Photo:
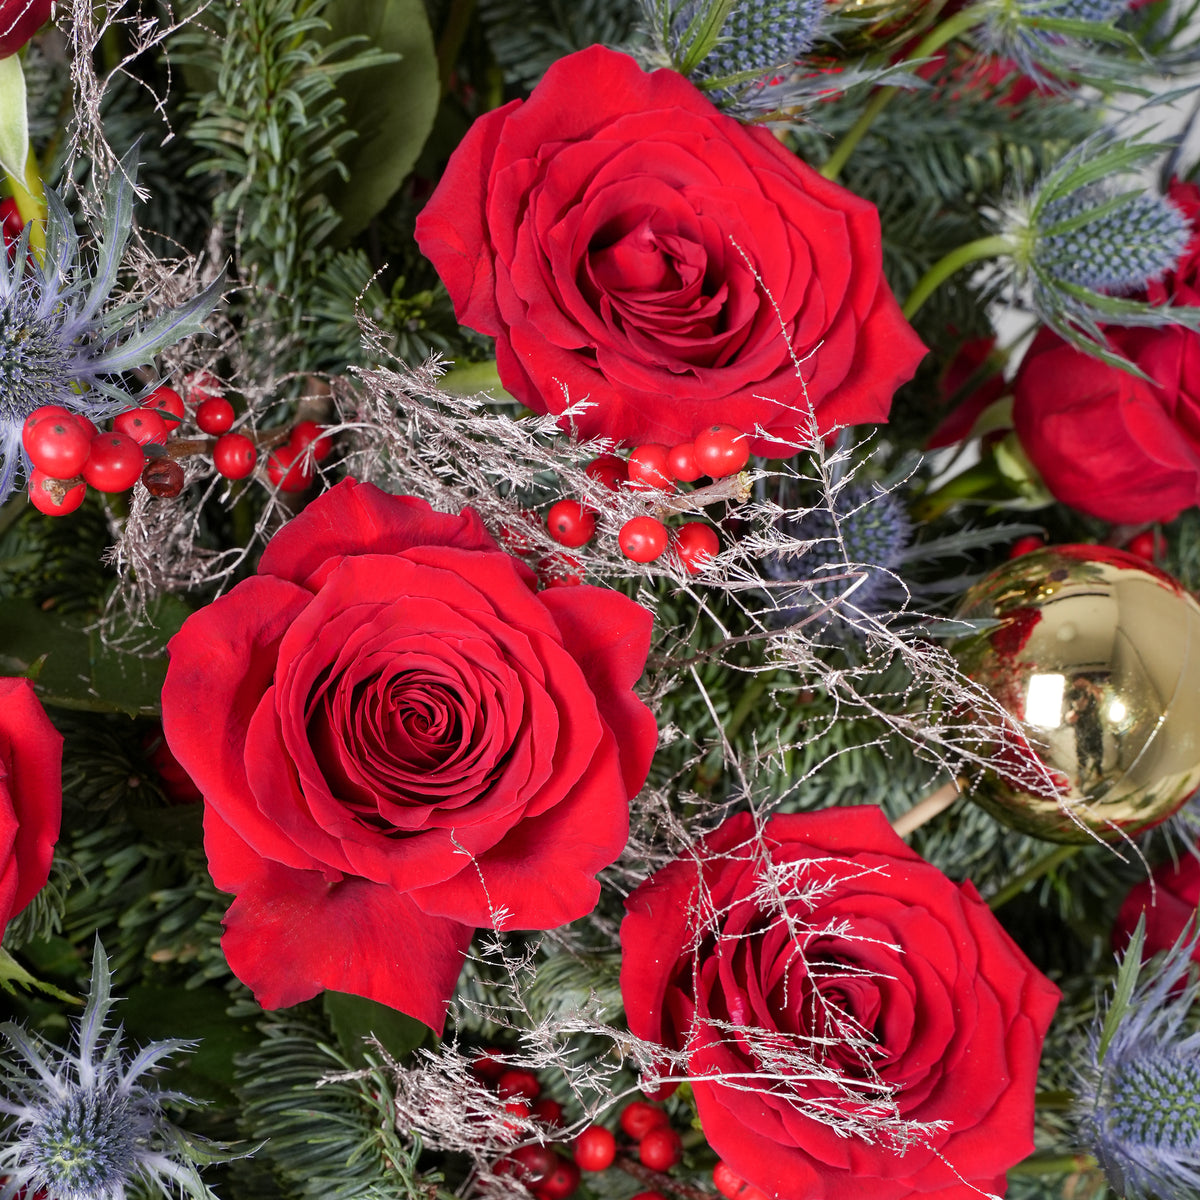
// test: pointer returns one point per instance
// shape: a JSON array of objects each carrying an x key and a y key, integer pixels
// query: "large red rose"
[
  {"x": 608, "y": 231},
  {"x": 19, "y": 21},
  {"x": 863, "y": 937},
  {"x": 30, "y": 796},
  {"x": 398, "y": 739},
  {"x": 1169, "y": 901},
  {"x": 1106, "y": 442}
]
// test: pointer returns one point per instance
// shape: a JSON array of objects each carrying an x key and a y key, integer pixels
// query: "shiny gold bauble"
[{"x": 1096, "y": 657}]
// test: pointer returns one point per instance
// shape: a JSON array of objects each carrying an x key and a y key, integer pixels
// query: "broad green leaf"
[
  {"x": 152, "y": 1013},
  {"x": 72, "y": 668},
  {"x": 14, "y": 124},
  {"x": 354, "y": 1018},
  {"x": 390, "y": 107}
]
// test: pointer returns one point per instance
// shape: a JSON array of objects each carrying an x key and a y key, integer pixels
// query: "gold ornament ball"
[{"x": 1096, "y": 658}]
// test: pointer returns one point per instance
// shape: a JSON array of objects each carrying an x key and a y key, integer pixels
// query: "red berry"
[
  {"x": 638, "y": 1118},
  {"x": 163, "y": 478},
  {"x": 308, "y": 433},
  {"x": 289, "y": 469},
  {"x": 560, "y": 570},
  {"x": 696, "y": 544},
  {"x": 1025, "y": 545},
  {"x": 168, "y": 403},
  {"x": 54, "y": 497},
  {"x": 570, "y": 523},
  {"x": 595, "y": 1149},
  {"x": 214, "y": 416},
  {"x": 535, "y": 1162},
  {"x": 643, "y": 539},
  {"x": 649, "y": 467},
  {"x": 609, "y": 470},
  {"x": 115, "y": 462},
  {"x": 55, "y": 442},
  {"x": 721, "y": 450},
  {"x": 10, "y": 223},
  {"x": 234, "y": 455},
  {"x": 560, "y": 1183},
  {"x": 661, "y": 1148},
  {"x": 548, "y": 1111},
  {"x": 518, "y": 1109},
  {"x": 681, "y": 461},
  {"x": 143, "y": 425},
  {"x": 487, "y": 1067},
  {"x": 649, "y": 1196},
  {"x": 727, "y": 1181},
  {"x": 1149, "y": 544},
  {"x": 203, "y": 385},
  {"x": 86, "y": 425},
  {"x": 518, "y": 1084}
]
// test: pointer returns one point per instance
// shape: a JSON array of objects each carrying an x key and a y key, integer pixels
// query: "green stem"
[
  {"x": 933, "y": 41},
  {"x": 458, "y": 21},
  {"x": 982, "y": 477},
  {"x": 1016, "y": 886},
  {"x": 30, "y": 195},
  {"x": 746, "y": 705},
  {"x": 988, "y": 247},
  {"x": 1055, "y": 1101},
  {"x": 1044, "y": 1163}
]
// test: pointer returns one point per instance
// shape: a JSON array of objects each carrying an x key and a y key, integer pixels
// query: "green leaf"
[
  {"x": 71, "y": 666},
  {"x": 11, "y": 972},
  {"x": 354, "y": 1018},
  {"x": 1127, "y": 977},
  {"x": 14, "y": 122},
  {"x": 154, "y": 1013},
  {"x": 391, "y": 107}
]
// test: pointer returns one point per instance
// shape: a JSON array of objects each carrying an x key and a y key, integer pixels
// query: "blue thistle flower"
[
  {"x": 1110, "y": 243},
  {"x": 1139, "y": 1106},
  {"x": 763, "y": 35},
  {"x": 862, "y": 533},
  {"x": 81, "y": 1126},
  {"x": 1051, "y": 40},
  {"x": 61, "y": 342}
]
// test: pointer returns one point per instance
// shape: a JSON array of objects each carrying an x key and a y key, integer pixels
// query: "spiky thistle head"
[
  {"x": 1078, "y": 247},
  {"x": 857, "y": 541},
  {"x": 84, "y": 1124},
  {"x": 62, "y": 339},
  {"x": 1053, "y": 41},
  {"x": 1139, "y": 1106}
]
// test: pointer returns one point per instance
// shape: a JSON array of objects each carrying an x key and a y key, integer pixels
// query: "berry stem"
[
  {"x": 734, "y": 487},
  {"x": 660, "y": 1182}
]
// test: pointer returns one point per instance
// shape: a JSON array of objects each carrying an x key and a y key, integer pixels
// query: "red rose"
[
  {"x": 1105, "y": 441},
  {"x": 867, "y": 938},
  {"x": 30, "y": 796},
  {"x": 591, "y": 230},
  {"x": 19, "y": 21},
  {"x": 1169, "y": 901},
  {"x": 399, "y": 740}
]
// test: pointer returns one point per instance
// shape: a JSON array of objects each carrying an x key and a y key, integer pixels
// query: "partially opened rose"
[
  {"x": 398, "y": 739},
  {"x": 628, "y": 244},
  {"x": 827, "y": 932},
  {"x": 30, "y": 796}
]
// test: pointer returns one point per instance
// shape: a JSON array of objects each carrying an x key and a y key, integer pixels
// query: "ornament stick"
[{"x": 927, "y": 809}]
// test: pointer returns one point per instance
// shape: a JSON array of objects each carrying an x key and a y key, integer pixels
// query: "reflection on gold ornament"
[{"x": 1096, "y": 657}]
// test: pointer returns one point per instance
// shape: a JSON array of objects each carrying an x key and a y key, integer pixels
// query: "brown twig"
[{"x": 660, "y": 1182}]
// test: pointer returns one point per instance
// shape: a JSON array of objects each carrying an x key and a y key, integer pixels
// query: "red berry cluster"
[
  {"x": 550, "y": 1175},
  {"x": 69, "y": 453},
  {"x": 718, "y": 452}
]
